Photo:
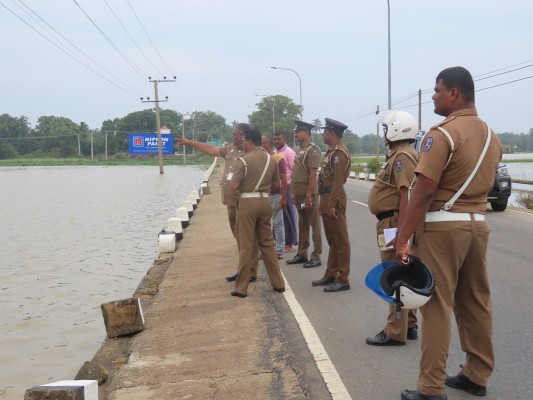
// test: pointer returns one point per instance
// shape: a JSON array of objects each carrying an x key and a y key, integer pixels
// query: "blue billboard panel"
[{"x": 146, "y": 143}]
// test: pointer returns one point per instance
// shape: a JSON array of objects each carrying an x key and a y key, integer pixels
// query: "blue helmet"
[{"x": 408, "y": 285}]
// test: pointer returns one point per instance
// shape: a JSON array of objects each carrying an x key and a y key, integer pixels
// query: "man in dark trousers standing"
[
  {"x": 333, "y": 174},
  {"x": 305, "y": 196},
  {"x": 256, "y": 174},
  {"x": 388, "y": 202},
  {"x": 456, "y": 168}
]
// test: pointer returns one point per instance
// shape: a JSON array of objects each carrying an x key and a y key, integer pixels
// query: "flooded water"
[{"x": 71, "y": 239}]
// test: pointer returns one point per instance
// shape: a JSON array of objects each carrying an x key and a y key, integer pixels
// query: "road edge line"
[{"x": 323, "y": 362}]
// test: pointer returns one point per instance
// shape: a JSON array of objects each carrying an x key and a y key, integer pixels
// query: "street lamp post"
[
  {"x": 388, "y": 31},
  {"x": 300, "y": 80}
]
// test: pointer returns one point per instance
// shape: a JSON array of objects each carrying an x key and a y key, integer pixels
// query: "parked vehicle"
[{"x": 501, "y": 190}]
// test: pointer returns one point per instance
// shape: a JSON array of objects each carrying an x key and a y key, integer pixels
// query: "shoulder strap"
[
  {"x": 450, "y": 203},
  {"x": 264, "y": 172}
]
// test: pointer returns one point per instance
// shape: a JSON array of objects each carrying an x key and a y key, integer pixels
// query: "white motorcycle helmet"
[
  {"x": 398, "y": 125},
  {"x": 410, "y": 285}
]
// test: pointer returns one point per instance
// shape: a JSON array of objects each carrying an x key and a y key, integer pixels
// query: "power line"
[
  {"x": 63, "y": 50},
  {"x": 139, "y": 71},
  {"x": 69, "y": 42},
  {"x": 133, "y": 40}
]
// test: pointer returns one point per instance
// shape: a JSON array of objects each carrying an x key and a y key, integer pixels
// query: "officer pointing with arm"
[{"x": 458, "y": 161}]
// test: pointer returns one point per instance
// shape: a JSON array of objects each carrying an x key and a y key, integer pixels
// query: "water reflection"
[{"x": 73, "y": 238}]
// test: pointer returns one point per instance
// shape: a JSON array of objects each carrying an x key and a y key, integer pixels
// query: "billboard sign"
[{"x": 146, "y": 143}]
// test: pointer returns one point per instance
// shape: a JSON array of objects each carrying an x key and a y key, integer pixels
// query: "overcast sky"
[{"x": 222, "y": 51}]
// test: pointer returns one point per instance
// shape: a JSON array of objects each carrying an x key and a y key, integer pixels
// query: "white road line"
[
  {"x": 361, "y": 204},
  {"x": 327, "y": 369}
]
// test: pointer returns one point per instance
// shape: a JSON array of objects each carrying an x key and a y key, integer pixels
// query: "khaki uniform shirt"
[
  {"x": 249, "y": 169},
  {"x": 398, "y": 171},
  {"x": 469, "y": 134},
  {"x": 334, "y": 172},
  {"x": 230, "y": 153},
  {"x": 307, "y": 157}
]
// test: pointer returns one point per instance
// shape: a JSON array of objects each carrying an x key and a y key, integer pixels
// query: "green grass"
[{"x": 197, "y": 159}]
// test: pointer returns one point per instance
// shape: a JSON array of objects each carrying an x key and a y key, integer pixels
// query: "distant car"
[{"x": 501, "y": 190}]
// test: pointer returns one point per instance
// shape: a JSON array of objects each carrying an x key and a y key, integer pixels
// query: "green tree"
[
  {"x": 16, "y": 132},
  {"x": 59, "y": 136},
  {"x": 206, "y": 125},
  {"x": 277, "y": 110}
]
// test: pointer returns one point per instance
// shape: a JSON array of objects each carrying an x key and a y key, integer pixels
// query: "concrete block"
[
  {"x": 205, "y": 189},
  {"x": 352, "y": 174},
  {"x": 362, "y": 175},
  {"x": 371, "y": 177},
  {"x": 64, "y": 390},
  {"x": 187, "y": 204},
  {"x": 174, "y": 224},
  {"x": 123, "y": 317},
  {"x": 92, "y": 371},
  {"x": 167, "y": 241},
  {"x": 193, "y": 201},
  {"x": 183, "y": 215}
]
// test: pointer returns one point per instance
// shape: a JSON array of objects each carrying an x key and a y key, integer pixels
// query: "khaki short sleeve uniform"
[
  {"x": 230, "y": 154},
  {"x": 307, "y": 157},
  {"x": 398, "y": 171}
]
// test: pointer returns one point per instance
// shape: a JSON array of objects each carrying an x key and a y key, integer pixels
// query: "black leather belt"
[
  {"x": 383, "y": 215},
  {"x": 325, "y": 189}
]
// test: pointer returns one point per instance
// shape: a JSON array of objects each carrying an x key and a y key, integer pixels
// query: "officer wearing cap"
[
  {"x": 305, "y": 196},
  {"x": 388, "y": 201},
  {"x": 456, "y": 168},
  {"x": 333, "y": 174}
]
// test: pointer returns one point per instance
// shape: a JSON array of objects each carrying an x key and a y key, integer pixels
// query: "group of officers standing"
[{"x": 441, "y": 220}]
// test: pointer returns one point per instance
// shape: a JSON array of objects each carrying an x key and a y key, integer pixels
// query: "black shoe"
[
  {"x": 279, "y": 290},
  {"x": 337, "y": 287},
  {"x": 237, "y": 294},
  {"x": 232, "y": 278},
  {"x": 297, "y": 260},
  {"x": 323, "y": 281},
  {"x": 416, "y": 395},
  {"x": 381, "y": 339},
  {"x": 312, "y": 264},
  {"x": 460, "y": 381},
  {"x": 412, "y": 333}
]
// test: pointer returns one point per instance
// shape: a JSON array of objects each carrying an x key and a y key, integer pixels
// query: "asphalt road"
[{"x": 344, "y": 320}]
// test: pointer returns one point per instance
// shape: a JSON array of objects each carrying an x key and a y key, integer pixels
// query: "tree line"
[{"x": 60, "y": 137}]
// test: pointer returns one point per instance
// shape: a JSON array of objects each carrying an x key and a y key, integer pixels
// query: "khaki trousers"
[
  {"x": 456, "y": 254},
  {"x": 232, "y": 219},
  {"x": 253, "y": 229},
  {"x": 396, "y": 328},
  {"x": 336, "y": 231},
  {"x": 308, "y": 220}
]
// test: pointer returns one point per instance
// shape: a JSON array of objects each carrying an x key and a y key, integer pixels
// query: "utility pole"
[
  {"x": 419, "y": 109},
  {"x": 377, "y": 133},
  {"x": 183, "y": 136},
  {"x": 157, "y": 116}
]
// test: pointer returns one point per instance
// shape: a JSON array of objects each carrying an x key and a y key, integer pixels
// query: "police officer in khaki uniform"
[
  {"x": 230, "y": 198},
  {"x": 333, "y": 174},
  {"x": 457, "y": 164},
  {"x": 256, "y": 173},
  {"x": 388, "y": 201},
  {"x": 305, "y": 196}
]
